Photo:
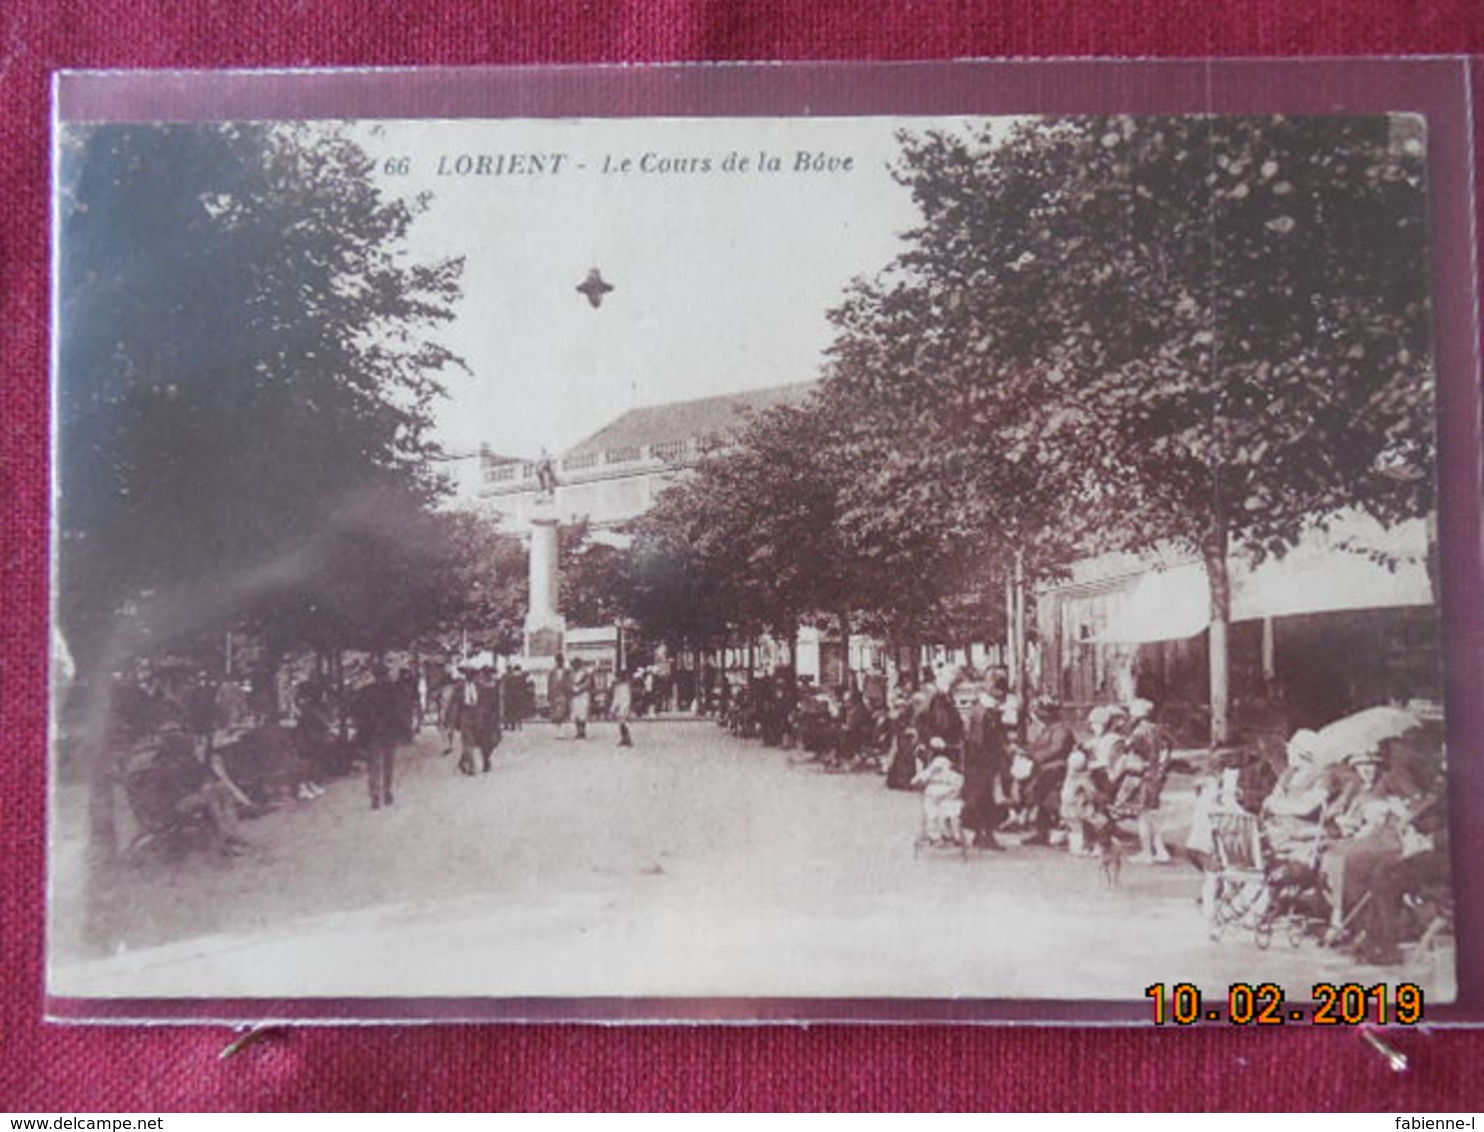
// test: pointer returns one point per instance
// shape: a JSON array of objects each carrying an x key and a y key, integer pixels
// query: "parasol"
[{"x": 1364, "y": 731}]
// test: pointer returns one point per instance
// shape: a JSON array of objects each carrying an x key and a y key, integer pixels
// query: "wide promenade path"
[{"x": 695, "y": 864}]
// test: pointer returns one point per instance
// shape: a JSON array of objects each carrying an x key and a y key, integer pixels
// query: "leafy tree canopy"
[
  {"x": 594, "y": 576},
  {"x": 760, "y": 533},
  {"x": 1202, "y": 329},
  {"x": 1124, "y": 332},
  {"x": 244, "y": 359}
]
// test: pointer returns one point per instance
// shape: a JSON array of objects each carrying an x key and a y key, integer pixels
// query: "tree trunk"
[
  {"x": 1218, "y": 643},
  {"x": 341, "y": 707},
  {"x": 1012, "y": 659},
  {"x": 1017, "y": 629},
  {"x": 845, "y": 670},
  {"x": 274, "y": 661}
]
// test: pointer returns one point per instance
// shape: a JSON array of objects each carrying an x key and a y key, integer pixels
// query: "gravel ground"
[{"x": 694, "y": 865}]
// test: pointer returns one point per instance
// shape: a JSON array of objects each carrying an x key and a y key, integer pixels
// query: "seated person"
[
  {"x": 270, "y": 764},
  {"x": 1408, "y": 894},
  {"x": 1292, "y": 810},
  {"x": 1122, "y": 780},
  {"x": 1134, "y": 788},
  {"x": 1366, "y": 822},
  {"x": 196, "y": 788},
  {"x": 1037, "y": 774}
]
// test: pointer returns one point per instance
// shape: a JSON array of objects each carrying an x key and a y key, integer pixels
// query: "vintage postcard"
[{"x": 747, "y": 543}]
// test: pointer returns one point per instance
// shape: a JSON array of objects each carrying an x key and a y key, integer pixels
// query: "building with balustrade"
[
  {"x": 615, "y": 475},
  {"x": 617, "y": 472}
]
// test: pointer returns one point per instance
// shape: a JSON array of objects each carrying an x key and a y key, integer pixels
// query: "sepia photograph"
[{"x": 725, "y": 564}]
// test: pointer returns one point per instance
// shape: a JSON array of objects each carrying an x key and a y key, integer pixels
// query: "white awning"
[
  {"x": 1356, "y": 564},
  {"x": 1162, "y": 605}
]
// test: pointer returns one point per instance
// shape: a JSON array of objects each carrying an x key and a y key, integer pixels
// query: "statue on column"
[
  {"x": 545, "y": 626},
  {"x": 546, "y": 479}
]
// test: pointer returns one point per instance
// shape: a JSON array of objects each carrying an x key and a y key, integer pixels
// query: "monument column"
[{"x": 545, "y": 627}]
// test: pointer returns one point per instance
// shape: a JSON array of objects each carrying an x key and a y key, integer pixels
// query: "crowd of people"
[
  {"x": 986, "y": 767},
  {"x": 195, "y": 753},
  {"x": 1350, "y": 828},
  {"x": 1352, "y": 836},
  {"x": 1353, "y": 831}
]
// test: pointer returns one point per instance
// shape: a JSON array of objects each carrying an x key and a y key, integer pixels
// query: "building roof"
[
  {"x": 493, "y": 457},
  {"x": 686, "y": 420}
]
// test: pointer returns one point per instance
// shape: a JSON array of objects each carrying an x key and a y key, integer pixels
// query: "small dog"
[{"x": 1104, "y": 843}]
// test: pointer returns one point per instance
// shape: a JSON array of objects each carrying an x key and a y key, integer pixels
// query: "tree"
[
  {"x": 1208, "y": 331},
  {"x": 242, "y": 354},
  {"x": 931, "y": 503},
  {"x": 593, "y": 576},
  {"x": 772, "y": 530},
  {"x": 381, "y": 572},
  {"x": 243, "y": 361},
  {"x": 492, "y": 582},
  {"x": 670, "y": 601},
  {"x": 756, "y": 525}
]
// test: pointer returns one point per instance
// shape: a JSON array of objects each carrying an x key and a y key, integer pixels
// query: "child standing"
[
  {"x": 1149, "y": 743},
  {"x": 942, "y": 796},
  {"x": 1079, "y": 804}
]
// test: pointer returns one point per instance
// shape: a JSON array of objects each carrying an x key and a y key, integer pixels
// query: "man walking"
[
  {"x": 381, "y": 727},
  {"x": 476, "y": 718}
]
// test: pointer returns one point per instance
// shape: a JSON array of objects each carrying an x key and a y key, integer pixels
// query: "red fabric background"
[{"x": 59, "y": 1069}]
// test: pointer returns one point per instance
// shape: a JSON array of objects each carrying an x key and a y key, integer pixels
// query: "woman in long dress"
[
  {"x": 559, "y": 694},
  {"x": 903, "y": 765},
  {"x": 621, "y": 708},
  {"x": 582, "y": 697}
]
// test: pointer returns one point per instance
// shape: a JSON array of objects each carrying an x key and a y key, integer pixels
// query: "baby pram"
[{"x": 1252, "y": 885}]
